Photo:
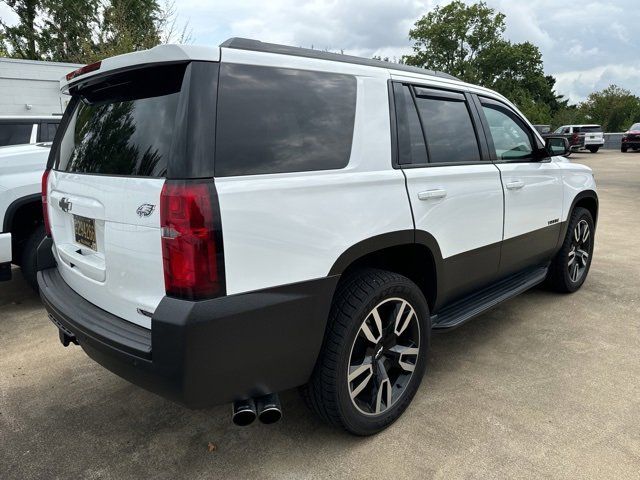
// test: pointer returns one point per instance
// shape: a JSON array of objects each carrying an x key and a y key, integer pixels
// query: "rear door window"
[
  {"x": 448, "y": 128},
  {"x": 15, "y": 133},
  {"x": 123, "y": 125},
  {"x": 275, "y": 120}
]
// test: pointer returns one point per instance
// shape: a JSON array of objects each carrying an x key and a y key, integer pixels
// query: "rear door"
[
  {"x": 533, "y": 192},
  {"x": 454, "y": 189},
  {"x": 109, "y": 169}
]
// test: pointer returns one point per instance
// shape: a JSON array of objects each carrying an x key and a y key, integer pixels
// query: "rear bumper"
[{"x": 203, "y": 353}]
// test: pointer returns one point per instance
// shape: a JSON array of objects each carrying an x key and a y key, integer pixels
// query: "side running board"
[{"x": 479, "y": 302}]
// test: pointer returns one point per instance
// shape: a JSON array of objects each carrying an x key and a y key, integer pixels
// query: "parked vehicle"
[
  {"x": 22, "y": 231},
  {"x": 18, "y": 130},
  {"x": 631, "y": 138},
  {"x": 582, "y": 137},
  {"x": 543, "y": 129},
  {"x": 225, "y": 224}
]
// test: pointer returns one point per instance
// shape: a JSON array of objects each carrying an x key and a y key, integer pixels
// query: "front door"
[{"x": 533, "y": 192}]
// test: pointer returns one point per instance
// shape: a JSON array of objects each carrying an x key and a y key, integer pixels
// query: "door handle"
[
  {"x": 432, "y": 194},
  {"x": 515, "y": 185}
]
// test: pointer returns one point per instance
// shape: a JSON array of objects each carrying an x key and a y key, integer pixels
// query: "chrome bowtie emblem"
[
  {"x": 65, "y": 205},
  {"x": 145, "y": 210}
]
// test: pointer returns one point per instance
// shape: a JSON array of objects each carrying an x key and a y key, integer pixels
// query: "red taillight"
[
  {"x": 191, "y": 240},
  {"x": 92, "y": 67},
  {"x": 45, "y": 201}
]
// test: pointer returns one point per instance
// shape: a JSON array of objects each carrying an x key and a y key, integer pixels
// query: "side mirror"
[{"x": 558, "y": 146}]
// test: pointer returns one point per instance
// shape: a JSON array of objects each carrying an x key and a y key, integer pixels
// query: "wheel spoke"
[
  {"x": 406, "y": 353},
  {"x": 576, "y": 233},
  {"x": 384, "y": 389},
  {"x": 367, "y": 331},
  {"x": 357, "y": 372},
  {"x": 586, "y": 233},
  {"x": 572, "y": 256},
  {"x": 584, "y": 256},
  {"x": 400, "y": 324},
  {"x": 575, "y": 271}
]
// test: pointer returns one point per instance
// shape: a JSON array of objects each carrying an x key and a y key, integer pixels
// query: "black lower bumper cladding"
[{"x": 207, "y": 352}]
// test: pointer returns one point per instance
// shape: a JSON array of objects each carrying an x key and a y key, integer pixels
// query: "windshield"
[
  {"x": 123, "y": 125},
  {"x": 635, "y": 126}
]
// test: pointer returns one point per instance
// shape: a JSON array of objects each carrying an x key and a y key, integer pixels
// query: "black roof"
[{"x": 258, "y": 46}]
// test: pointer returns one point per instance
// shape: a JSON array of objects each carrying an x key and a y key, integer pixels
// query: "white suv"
[
  {"x": 229, "y": 223},
  {"x": 583, "y": 137}
]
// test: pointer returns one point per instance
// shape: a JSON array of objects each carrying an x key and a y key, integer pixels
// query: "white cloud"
[
  {"x": 577, "y": 40},
  {"x": 578, "y": 84}
]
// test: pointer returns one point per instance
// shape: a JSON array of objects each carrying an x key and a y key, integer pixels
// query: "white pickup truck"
[{"x": 21, "y": 227}]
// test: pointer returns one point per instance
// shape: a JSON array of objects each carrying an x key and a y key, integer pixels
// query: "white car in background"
[
  {"x": 21, "y": 227},
  {"x": 583, "y": 137},
  {"x": 23, "y": 129}
]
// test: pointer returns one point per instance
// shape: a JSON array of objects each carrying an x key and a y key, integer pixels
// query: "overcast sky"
[{"x": 587, "y": 45}]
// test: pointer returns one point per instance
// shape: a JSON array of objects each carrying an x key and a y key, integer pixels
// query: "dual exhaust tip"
[{"x": 266, "y": 408}]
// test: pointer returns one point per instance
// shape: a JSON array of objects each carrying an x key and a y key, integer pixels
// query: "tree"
[
  {"x": 24, "y": 38},
  {"x": 83, "y": 31},
  {"x": 68, "y": 29},
  {"x": 614, "y": 108},
  {"x": 467, "y": 41}
]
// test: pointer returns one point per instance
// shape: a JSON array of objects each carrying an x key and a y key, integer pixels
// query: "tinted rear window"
[
  {"x": 448, "y": 128},
  {"x": 15, "y": 133},
  {"x": 275, "y": 120},
  {"x": 596, "y": 129},
  {"x": 123, "y": 125}
]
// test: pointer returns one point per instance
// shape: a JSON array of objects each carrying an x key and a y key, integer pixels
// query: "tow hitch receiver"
[{"x": 66, "y": 337}]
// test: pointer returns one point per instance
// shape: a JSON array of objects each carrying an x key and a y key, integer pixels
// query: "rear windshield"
[
  {"x": 15, "y": 133},
  {"x": 592, "y": 129},
  {"x": 124, "y": 124}
]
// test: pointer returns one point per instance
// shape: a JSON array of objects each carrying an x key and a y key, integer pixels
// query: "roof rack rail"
[{"x": 258, "y": 46}]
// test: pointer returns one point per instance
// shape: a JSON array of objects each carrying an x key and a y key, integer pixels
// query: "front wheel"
[
  {"x": 623, "y": 149},
  {"x": 374, "y": 353},
  {"x": 571, "y": 265}
]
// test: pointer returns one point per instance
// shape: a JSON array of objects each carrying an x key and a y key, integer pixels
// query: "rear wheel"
[
  {"x": 29, "y": 253},
  {"x": 374, "y": 353},
  {"x": 571, "y": 265},
  {"x": 593, "y": 149}
]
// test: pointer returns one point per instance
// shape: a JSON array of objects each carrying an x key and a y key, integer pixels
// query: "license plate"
[{"x": 85, "y": 230}]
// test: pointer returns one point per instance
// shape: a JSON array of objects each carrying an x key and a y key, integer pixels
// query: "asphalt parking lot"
[{"x": 544, "y": 386}]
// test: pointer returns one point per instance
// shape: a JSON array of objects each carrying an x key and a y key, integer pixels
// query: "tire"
[
  {"x": 569, "y": 268},
  {"x": 28, "y": 265},
  {"x": 623, "y": 149},
  {"x": 390, "y": 379},
  {"x": 593, "y": 149}
]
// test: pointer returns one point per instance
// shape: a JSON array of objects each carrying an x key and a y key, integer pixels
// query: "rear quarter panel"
[{"x": 291, "y": 227}]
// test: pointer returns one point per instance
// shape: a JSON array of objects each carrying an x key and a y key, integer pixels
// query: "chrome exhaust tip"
[
  {"x": 244, "y": 412},
  {"x": 269, "y": 408}
]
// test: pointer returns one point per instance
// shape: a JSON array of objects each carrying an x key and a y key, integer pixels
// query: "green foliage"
[
  {"x": 614, "y": 108},
  {"x": 82, "y": 31},
  {"x": 67, "y": 32},
  {"x": 24, "y": 38},
  {"x": 467, "y": 42}
]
